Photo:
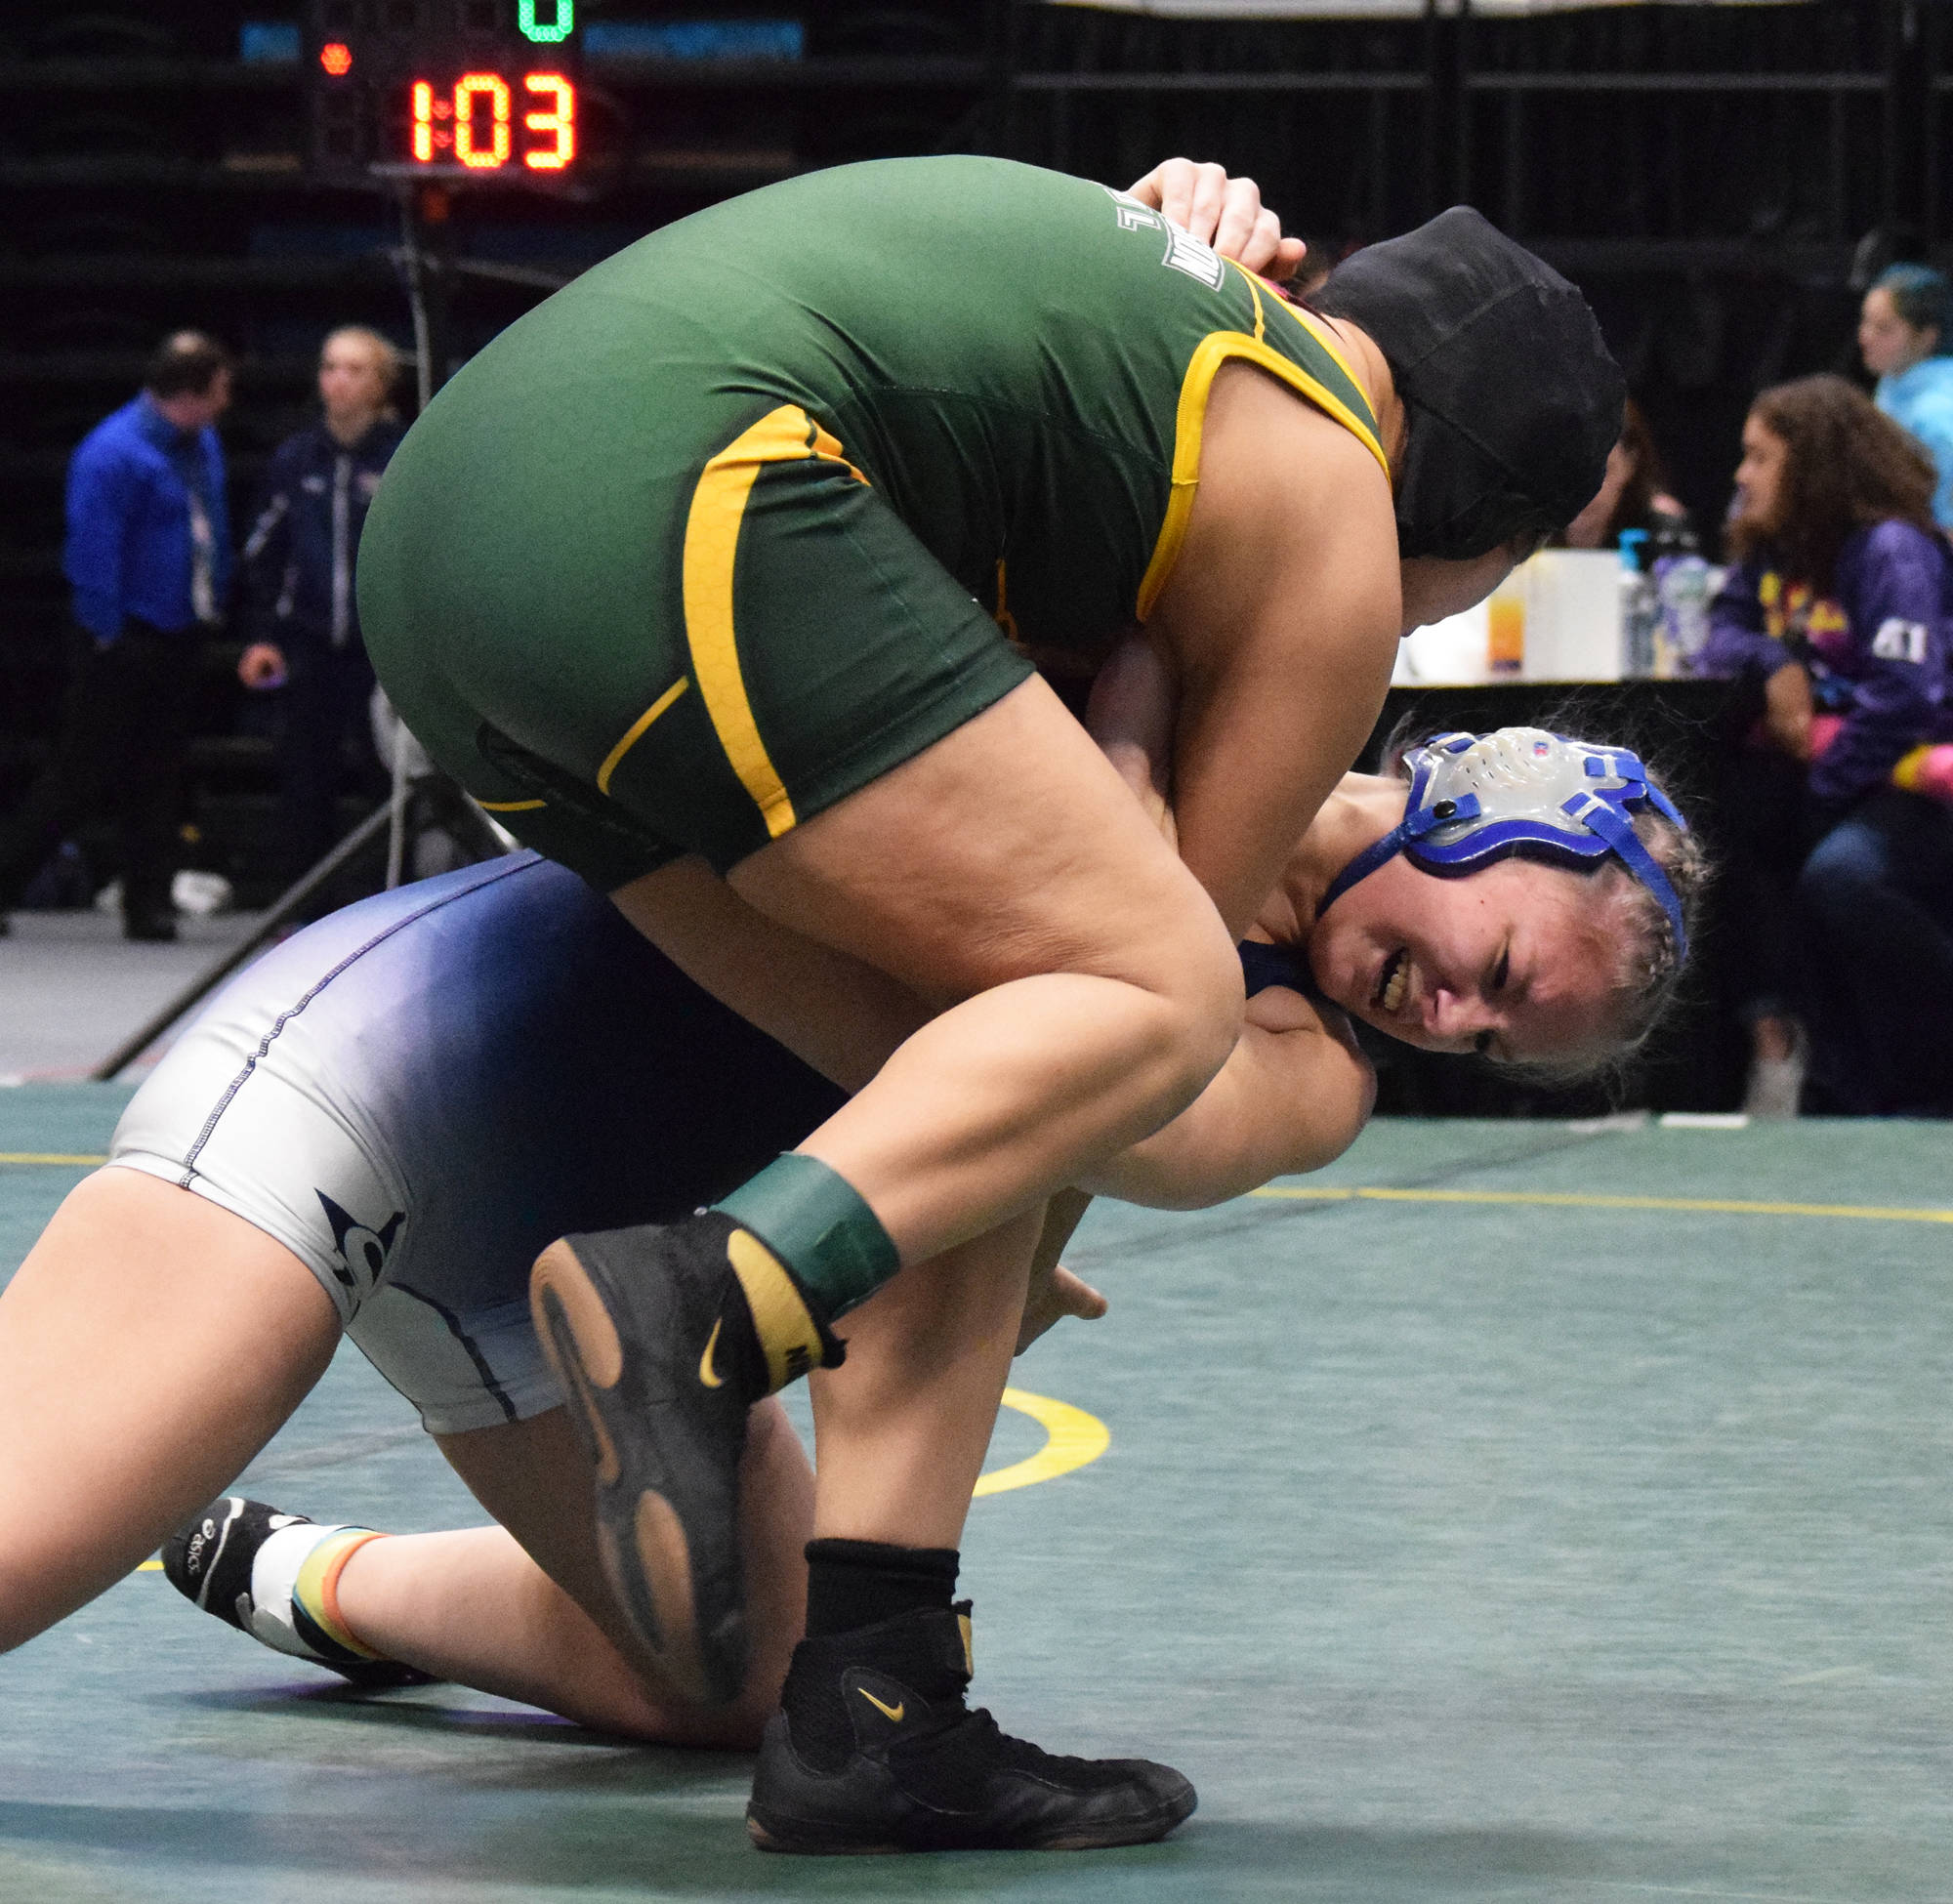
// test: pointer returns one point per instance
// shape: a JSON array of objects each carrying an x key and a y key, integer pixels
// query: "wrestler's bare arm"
[
  {"x": 1292, "y": 1096},
  {"x": 1280, "y": 623},
  {"x": 1297, "y": 1089}
]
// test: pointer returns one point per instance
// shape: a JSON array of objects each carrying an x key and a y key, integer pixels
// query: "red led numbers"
[
  {"x": 336, "y": 56},
  {"x": 471, "y": 122},
  {"x": 559, "y": 121},
  {"x": 424, "y": 133},
  {"x": 481, "y": 121}
]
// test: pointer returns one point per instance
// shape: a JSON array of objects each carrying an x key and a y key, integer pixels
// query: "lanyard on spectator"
[
  {"x": 342, "y": 549},
  {"x": 202, "y": 559}
]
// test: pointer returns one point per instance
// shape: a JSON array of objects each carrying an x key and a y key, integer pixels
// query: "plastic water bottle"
[
  {"x": 1681, "y": 582},
  {"x": 1641, "y": 607},
  {"x": 1505, "y": 626}
]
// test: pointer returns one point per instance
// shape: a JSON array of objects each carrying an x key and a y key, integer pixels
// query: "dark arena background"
[
  {"x": 1545, "y": 1502},
  {"x": 1723, "y": 180}
]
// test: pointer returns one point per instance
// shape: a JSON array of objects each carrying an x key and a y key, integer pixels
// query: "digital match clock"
[{"x": 443, "y": 89}]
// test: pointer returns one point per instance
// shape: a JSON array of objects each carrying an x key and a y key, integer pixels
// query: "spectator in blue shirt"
[
  {"x": 1905, "y": 330},
  {"x": 1840, "y": 603},
  {"x": 149, "y": 558},
  {"x": 301, "y": 621}
]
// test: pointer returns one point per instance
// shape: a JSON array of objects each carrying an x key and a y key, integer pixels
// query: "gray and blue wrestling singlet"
[{"x": 419, "y": 1094}]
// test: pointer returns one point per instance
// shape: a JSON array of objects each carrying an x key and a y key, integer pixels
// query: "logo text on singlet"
[
  {"x": 1184, "y": 251},
  {"x": 362, "y": 1248}
]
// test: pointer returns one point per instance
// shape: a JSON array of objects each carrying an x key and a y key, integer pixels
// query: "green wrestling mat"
[{"x": 1571, "y": 1524}]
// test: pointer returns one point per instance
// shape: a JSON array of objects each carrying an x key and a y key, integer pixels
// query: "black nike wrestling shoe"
[
  {"x": 663, "y": 1337},
  {"x": 875, "y": 1750},
  {"x": 256, "y": 1569}
]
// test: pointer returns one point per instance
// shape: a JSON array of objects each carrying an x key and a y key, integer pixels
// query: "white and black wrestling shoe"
[{"x": 257, "y": 1569}]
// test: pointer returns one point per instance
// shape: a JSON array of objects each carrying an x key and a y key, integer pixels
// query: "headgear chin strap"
[{"x": 1477, "y": 798}]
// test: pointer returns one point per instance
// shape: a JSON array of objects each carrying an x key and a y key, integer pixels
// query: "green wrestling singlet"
[{"x": 778, "y": 496}]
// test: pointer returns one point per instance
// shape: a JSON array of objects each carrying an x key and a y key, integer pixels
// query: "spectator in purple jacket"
[{"x": 1838, "y": 603}]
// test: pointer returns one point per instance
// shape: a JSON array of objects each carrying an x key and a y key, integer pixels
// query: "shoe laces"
[{"x": 981, "y": 1733}]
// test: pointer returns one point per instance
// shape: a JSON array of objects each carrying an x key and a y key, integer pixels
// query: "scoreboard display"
[{"x": 453, "y": 90}]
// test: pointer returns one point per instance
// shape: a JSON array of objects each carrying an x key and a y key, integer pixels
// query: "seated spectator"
[
  {"x": 301, "y": 620},
  {"x": 1905, "y": 329},
  {"x": 1876, "y": 902},
  {"x": 1634, "y": 495},
  {"x": 149, "y": 558},
  {"x": 1839, "y": 603}
]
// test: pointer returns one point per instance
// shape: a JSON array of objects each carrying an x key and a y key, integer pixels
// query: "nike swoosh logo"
[
  {"x": 705, "y": 1369},
  {"x": 894, "y": 1712}
]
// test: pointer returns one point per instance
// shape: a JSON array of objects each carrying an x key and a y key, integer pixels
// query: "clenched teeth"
[{"x": 1394, "y": 981}]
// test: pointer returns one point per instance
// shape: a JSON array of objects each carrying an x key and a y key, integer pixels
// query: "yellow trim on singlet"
[
  {"x": 635, "y": 732},
  {"x": 711, "y": 545},
  {"x": 1004, "y": 619},
  {"x": 1341, "y": 362},
  {"x": 1255, "y": 292},
  {"x": 1190, "y": 417},
  {"x": 510, "y": 805}
]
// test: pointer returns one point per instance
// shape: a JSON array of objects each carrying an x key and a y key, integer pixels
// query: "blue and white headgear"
[{"x": 1477, "y": 798}]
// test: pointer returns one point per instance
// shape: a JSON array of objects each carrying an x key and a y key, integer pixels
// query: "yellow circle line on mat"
[
  {"x": 1071, "y": 1438},
  {"x": 75, "y": 1158},
  {"x": 1582, "y": 1200}
]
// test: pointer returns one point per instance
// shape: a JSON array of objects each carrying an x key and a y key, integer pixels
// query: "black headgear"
[{"x": 1510, "y": 397}]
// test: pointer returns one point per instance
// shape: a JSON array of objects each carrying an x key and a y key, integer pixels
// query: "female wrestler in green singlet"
[{"x": 715, "y": 576}]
